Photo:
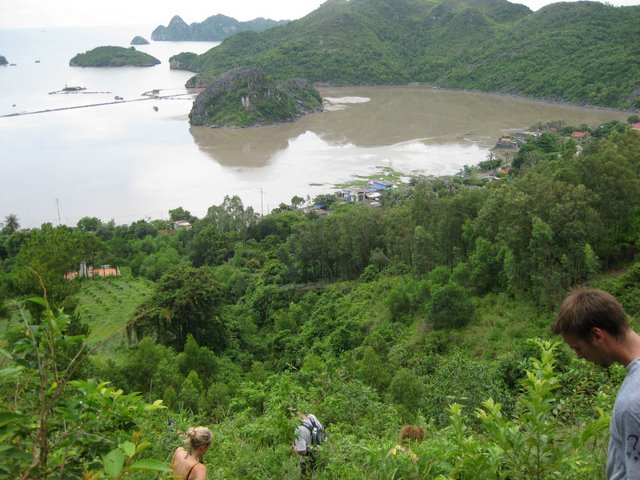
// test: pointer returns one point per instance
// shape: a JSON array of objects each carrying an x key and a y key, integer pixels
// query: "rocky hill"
[
  {"x": 244, "y": 97},
  {"x": 214, "y": 28},
  {"x": 583, "y": 52},
  {"x": 3, "y": 61},
  {"x": 113, "y": 57}
]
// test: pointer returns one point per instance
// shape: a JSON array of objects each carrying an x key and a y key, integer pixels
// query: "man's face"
[{"x": 590, "y": 349}]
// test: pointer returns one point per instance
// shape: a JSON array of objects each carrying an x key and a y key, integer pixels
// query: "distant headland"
[{"x": 214, "y": 29}]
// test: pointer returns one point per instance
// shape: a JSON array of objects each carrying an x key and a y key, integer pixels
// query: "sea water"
[{"x": 88, "y": 154}]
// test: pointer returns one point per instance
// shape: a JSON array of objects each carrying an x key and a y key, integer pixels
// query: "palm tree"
[{"x": 11, "y": 224}]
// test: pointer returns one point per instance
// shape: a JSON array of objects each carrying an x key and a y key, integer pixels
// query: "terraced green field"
[{"x": 107, "y": 305}]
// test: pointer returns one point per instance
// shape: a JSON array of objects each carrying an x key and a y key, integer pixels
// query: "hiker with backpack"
[{"x": 309, "y": 434}]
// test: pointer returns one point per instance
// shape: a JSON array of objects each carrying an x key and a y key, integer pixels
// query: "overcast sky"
[{"x": 62, "y": 13}]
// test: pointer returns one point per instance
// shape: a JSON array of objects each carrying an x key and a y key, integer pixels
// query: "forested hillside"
[
  {"x": 425, "y": 310},
  {"x": 584, "y": 52}
]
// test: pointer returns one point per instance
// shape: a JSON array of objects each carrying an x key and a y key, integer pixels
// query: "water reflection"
[
  {"x": 373, "y": 117},
  {"x": 244, "y": 147}
]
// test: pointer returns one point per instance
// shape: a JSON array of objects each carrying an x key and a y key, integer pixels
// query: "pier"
[{"x": 112, "y": 102}]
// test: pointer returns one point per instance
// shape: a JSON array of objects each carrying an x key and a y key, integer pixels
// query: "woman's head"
[
  {"x": 198, "y": 437},
  {"x": 411, "y": 432}
]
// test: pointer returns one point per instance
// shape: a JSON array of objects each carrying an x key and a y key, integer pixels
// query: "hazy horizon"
[{"x": 78, "y": 13}]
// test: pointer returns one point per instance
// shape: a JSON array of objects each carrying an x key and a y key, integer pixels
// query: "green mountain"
[
  {"x": 583, "y": 52},
  {"x": 214, "y": 28},
  {"x": 113, "y": 57}
]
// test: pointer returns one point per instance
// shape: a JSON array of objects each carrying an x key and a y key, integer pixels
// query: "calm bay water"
[{"x": 129, "y": 160}]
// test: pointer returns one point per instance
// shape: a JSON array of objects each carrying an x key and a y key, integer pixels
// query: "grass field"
[{"x": 107, "y": 304}]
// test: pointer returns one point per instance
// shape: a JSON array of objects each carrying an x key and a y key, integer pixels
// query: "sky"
[{"x": 67, "y": 13}]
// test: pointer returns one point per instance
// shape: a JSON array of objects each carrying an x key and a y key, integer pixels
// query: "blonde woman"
[
  {"x": 187, "y": 462},
  {"x": 408, "y": 434}
]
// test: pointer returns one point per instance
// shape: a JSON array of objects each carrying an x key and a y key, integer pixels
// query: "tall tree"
[
  {"x": 11, "y": 224},
  {"x": 610, "y": 169},
  {"x": 180, "y": 213},
  {"x": 231, "y": 216},
  {"x": 186, "y": 301},
  {"x": 89, "y": 224}
]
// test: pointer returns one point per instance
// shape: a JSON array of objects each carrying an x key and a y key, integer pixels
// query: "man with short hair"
[
  {"x": 593, "y": 323},
  {"x": 303, "y": 443}
]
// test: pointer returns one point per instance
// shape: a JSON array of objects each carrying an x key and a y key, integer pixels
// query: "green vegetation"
[
  {"x": 113, "y": 57},
  {"x": 247, "y": 97},
  {"x": 104, "y": 303},
  {"x": 213, "y": 29},
  {"x": 584, "y": 52},
  {"x": 433, "y": 309},
  {"x": 182, "y": 60},
  {"x": 56, "y": 426}
]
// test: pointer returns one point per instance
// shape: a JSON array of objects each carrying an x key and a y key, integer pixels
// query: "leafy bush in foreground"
[{"x": 54, "y": 425}]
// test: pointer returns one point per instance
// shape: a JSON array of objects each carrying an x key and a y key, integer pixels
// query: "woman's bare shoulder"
[
  {"x": 179, "y": 451},
  {"x": 199, "y": 472}
]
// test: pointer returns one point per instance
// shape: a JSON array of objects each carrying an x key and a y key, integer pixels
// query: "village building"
[
  {"x": 354, "y": 194},
  {"x": 506, "y": 142},
  {"x": 91, "y": 272},
  {"x": 381, "y": 185},
  {"x": 181, "y": 225},
  {"x": 580, "y": 136}
]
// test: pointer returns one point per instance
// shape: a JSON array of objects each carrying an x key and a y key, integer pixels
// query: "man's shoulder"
[
  {"x": 628, "y": 397},
  {"x": 633, "y": 367},
  {"x": 303, "y": 431},
  {"x": 632, "y": 378},
  {"x": 313, "y": 420}
]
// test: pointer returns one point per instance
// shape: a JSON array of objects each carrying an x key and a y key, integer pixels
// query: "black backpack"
[{"x": 318, "y": 434}]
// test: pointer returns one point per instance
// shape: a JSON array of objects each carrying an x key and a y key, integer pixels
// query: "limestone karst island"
[
  {"x": 244, "y": 97},
  {"x": 113, "y": 57}
]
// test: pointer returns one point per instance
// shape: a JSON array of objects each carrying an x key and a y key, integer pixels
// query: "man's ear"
[{"x": 599, "y": 335}]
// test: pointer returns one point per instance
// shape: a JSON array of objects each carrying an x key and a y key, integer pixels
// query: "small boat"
[
  {"x": 73, "y": 89},
  {"x": 155, "y": 108},
  {"x": 117, "y": 97}
]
